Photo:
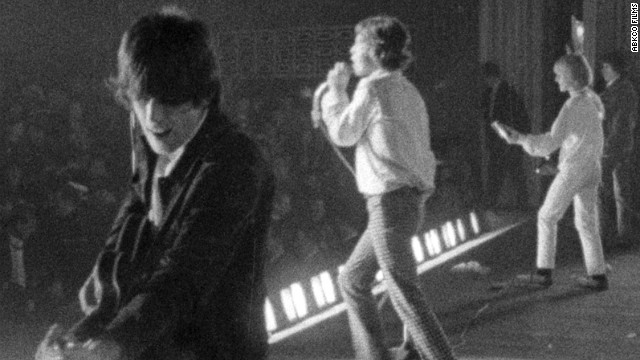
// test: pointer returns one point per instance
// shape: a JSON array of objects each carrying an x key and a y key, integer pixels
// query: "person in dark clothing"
[
  {"x": 621, "y": 113},
  {"x": 14, "y": 293},
  {"x": 501, "y": 102},
  {"x": 181, "y": 274}
]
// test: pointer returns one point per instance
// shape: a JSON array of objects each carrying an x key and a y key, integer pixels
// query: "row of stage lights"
[{"x": 323, "y": 289}]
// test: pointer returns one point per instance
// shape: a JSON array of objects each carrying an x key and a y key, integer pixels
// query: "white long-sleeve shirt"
[
  {"x": 388, "y": 123},
  {"x": 577, "y": 131}
]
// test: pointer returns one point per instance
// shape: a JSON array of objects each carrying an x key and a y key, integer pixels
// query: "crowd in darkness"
[
  {"x": 64, "y": 154},
  {"x": 317, "y": 211},
  {"x": 62, "y": 179}
]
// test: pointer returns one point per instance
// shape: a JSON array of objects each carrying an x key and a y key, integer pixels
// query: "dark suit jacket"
[
  {"x": 509, "y": 109},
  {"x": 194, "y": 285},
  {"x": 621, "y": 112}
]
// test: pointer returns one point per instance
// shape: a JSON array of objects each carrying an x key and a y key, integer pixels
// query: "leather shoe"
[
  {"x": 404, "y": 352},
  {"x": 591, "y": 283},
  {"x": 533, "y": 280}
]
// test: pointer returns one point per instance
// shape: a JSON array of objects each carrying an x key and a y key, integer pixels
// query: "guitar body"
[
  {"x": 108, "y": 288},
  {"x": 106, "y": 293},
  {"x": 101, "y": 295}
]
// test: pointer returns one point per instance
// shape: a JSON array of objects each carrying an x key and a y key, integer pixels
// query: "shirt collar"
[
  {"x": 496, "y": 85},
  {"x": 382, "y": 72},
  {"x": 169, "y": 161}
]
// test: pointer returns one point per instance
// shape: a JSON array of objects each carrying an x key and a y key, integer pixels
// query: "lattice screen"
[{"x": 306, "y": 52}]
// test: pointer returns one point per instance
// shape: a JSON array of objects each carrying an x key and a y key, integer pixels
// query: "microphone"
[
  {"x": 340, "y": 70},
  {"x": 316, "y": 111}
]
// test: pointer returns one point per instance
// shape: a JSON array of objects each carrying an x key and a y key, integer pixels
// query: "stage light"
[
  {"x": 418, "y": 253},
  {"x": 287, "y": 304},
  {"x": 580, "y": 31},
  {"x": 445, "y": 236},
  {"x": 449, "y": 234},
  {"x": 475, "y": 223},
  {"x": 428, "y": 243},
  {"x": 432, "y": 241},
  {"x": 327, "y": 287},
  {"x": 457, "y": 239},
  {"x": 318, "y": 294},
  {"x": 270, "y": 316},
  {"x": 462, "y": 233},
  {"x": 299, "y": 300}
]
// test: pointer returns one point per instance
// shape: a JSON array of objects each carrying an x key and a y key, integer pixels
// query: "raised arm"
[
  {"x": 545, "y": 144},
  {"x": 347, "y": 121}
]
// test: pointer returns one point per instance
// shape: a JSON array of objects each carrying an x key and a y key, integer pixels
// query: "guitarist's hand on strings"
[
  {"x": 49, "y": 348},
  {"x": 53, "y": 347},
  {"x": 507, "y": 133}
]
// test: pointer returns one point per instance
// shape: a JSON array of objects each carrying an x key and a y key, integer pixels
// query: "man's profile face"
[
  {"x": 563, "y": 77},
  {"x": 167, "y": 127},
  {"x": 608, "y": 73},
  {"x": 362, "y": 59}
]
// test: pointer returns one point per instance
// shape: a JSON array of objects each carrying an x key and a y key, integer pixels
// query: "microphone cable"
[{"x": 316, "y": 116}]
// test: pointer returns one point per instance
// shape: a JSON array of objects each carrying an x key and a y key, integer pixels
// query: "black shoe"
[
  {"x": 400, "y": 353},
  {"x": 595, "y": 283},
  {"x": 404, "y": 352},
  {"x": 533, "y": 280},
  {"x": 617, "y": 246},
  {"x": 624, "y": 243}
]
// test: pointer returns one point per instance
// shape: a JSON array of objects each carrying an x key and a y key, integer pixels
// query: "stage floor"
[{"x": 562, "y": 322}]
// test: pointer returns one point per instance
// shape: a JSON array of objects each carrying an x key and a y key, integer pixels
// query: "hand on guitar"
[
  {"x": 55, "y": 347},
  {"x": 49, "y": 348},
  {"x": 507, "y": 133}
]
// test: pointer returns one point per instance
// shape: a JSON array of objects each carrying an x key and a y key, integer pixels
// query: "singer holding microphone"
[{"x": 387, "y": 122}]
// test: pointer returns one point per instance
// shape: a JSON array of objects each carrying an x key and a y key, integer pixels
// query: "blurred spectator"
[
  {"x": 501, "y": 102},
  {"x": 19, "y": 230},
  {"x": 618, "y": 171},
  {"x": 44, "y": 150}
]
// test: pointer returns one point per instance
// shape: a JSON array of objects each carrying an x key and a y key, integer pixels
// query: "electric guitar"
[{"x": 104, "y": 292}]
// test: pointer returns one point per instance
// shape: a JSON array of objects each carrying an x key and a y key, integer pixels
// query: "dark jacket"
[
  {"x": 194, "y": 286},
  {"x": 620, "y": 115},
  {"x": 509, "y": 109}
]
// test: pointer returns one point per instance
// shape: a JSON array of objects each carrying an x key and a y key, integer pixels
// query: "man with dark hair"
[
  {"x": 181, "y": 273},
  {"x": 501, "y": 102},
  {"x": 388, "y": 124},
  {"x": 618, "y": 171}
]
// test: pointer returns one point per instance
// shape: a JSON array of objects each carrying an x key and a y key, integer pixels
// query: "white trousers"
[{"x": 582, "y": 190}]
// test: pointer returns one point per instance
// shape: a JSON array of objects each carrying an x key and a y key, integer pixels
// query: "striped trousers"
[{"x": 394, "y": 218}]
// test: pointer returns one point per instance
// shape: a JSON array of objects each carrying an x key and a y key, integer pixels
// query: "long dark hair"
[{"x": 168, "y": 56}]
